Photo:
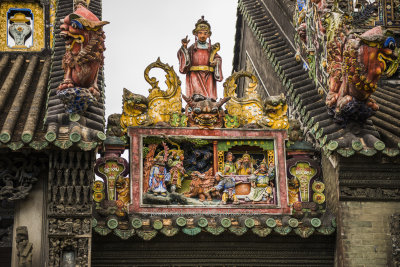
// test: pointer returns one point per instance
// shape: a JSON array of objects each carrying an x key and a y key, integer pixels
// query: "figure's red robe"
[{"x": 203, "y": 82}]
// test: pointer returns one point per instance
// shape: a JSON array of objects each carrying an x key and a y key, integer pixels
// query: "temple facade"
[{"x": 296, "y": 164}]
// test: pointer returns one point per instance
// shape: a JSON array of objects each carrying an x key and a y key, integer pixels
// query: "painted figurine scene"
[{"x": 184, "y": 173}]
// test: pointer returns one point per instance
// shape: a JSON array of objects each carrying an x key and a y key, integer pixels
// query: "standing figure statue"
[
  {"x": 24, "y": 247},
  {"x": 200, "y": 62},
  {"x": 177, "y": 171},
  {"x": 159, "y": 177}
]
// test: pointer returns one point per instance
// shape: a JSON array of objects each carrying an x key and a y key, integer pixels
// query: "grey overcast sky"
[{"x": 140, "y": 31}]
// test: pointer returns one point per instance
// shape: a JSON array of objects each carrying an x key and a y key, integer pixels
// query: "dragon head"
[
  {"x": 76, "y": 28},
  {"x": 205, "y": 112},
  {"x": 378, "y": 55}
]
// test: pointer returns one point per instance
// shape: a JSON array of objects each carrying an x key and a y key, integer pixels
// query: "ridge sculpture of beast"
[
  {"x": 204, "y": 112},
  {"x": 84, "y": 42},
  {"x": 363, "y": 60}
]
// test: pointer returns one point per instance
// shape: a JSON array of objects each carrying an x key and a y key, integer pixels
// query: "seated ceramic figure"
[{"x": 262, "y": 184}]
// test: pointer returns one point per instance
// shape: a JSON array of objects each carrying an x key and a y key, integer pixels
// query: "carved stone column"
[{"x": 70, "y": 208}]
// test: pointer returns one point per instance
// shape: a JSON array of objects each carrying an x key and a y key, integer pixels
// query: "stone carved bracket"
[
  {"x": 362, "y": 193},
  {"x": 17, "y": 177},
  {"x": 69, "y": 226}
]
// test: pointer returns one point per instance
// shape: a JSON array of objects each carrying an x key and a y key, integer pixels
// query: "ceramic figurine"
[
  {"x": 244, "y": 165},
  {"x": 262, "y": 184},
  {"x": 201, "y": 185},
  {"x": 227, "y": 185},
  {"x": 177, "y": 171},
  {"x": 19, "y": 30},
  {"x": 84, "y": 42},
  {"x": 158, "y": 177},
  {"x": 229, "y": 167},
  {"x": 200, "y": 62},
  {"x": 364, "y": 59},
  {"x": 205, "y": 112}
]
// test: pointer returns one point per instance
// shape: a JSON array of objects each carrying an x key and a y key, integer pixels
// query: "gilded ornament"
[
  {"x": 19, "y": 30},
  {"x": 318, "y": 187},
  {"x": 53, "y": 10},
  {"x": 247, "y": 109},
  {"x": 162, "y": 104},
  {"x": 318, "y": 198},
  {"x": 275, "y": 113},
  {"x": 38, "y": 26},
  {"x": 98, "y": 186},
  {"x": 134, "y": 110}
]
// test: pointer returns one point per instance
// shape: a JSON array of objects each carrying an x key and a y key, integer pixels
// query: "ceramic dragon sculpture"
[
  {"x": 84, "y": 42},
  {"x": 250, "y": 109},
  {"x": 355, "y": 65},
  {"x": 163, "y": 104}
]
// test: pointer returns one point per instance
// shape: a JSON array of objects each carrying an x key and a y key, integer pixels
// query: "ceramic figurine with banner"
[{"x": 200, "y": 62}]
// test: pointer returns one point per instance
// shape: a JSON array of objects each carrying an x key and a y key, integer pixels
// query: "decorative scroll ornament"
[
  {"x": 112, "y": 169},
  {"x": 162, "y": 104},
  {"x": 134, "y": 110},
  {"x": 304, "y": 185},
  {"x": 249, "y": 108},
  {"x": 304, "y": 173}
]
